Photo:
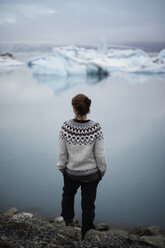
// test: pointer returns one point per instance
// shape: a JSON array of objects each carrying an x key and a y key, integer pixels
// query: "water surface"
[{"x": 131, "y": 111}]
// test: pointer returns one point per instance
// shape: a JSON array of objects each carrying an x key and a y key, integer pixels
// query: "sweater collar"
[{"x": 82, "y": 123}]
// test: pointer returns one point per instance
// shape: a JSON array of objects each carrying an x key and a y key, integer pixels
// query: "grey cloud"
[{"x": 76, "y": 21}]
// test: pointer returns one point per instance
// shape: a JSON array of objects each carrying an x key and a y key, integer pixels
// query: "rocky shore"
[{"x": 27, "y": 230}]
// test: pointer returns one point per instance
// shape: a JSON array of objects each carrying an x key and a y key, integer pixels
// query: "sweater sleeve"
[
  {"x": 99, "y": 152},
  {"x": 62, "y": 152}
]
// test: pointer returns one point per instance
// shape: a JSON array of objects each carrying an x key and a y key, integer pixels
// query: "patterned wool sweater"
[{"x": 81, "y": 148}]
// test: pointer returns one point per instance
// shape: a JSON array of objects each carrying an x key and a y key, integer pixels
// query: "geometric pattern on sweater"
[{"x": 76, "y": 133}]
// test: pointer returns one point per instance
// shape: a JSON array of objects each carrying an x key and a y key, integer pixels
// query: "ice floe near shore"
[
  {"x": 72, "y": 60},
  {"x": 8, "y": 62}
]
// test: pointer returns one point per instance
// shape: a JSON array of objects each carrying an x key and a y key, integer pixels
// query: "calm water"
[{"x": 131, "y": 111}]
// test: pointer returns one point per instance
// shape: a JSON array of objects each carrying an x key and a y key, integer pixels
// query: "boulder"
[
  {"x": 157, "y": 240},
  {"x": 119, "y": 232},
  {"x": 59, "y": 220},
  {"x": 146, "y": 230},
  {"x": 4, "y": 238},
  {"x": 22, "y": 216},
  {"x": 138, "y": 230},
  {"x": 102, "y": 227},
  {"x": 11, "y": 211},
  {"x": 155, "y": 230},
  {"x": 94, "y": 235},
  {"x": 31, "y": 230},
  {"x": 71, "y": 232}
]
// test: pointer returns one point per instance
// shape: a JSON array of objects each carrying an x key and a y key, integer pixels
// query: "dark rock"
[
  {"x": 26, "y": 230},
  {"x": 50, "y": 220},
  {"x": 93, "y": 235},
  {"x": 102, "y": 227},
  {"x": 11, "y": 211},
  {"x": 114, "y": 240},
  {"x": 158, "y": 61},
  {"x": 155, "y": 230},
  {"x": 4, "y": 244},
  {"x": 71, "y": 232},
  {"x": 3, "y": 237},
  {"x": 7, "y": 55},
  {"x": 21, "y": 218},
  {"x": 138, "y": 230},
  {"x": 1, "y": 212},
  {"x": 146, "y": 230},
  {"x": 157, "y": 240},
  {"x": 119, "y": 232}
]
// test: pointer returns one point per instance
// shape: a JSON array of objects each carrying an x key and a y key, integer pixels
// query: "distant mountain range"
[
  {"x": 14, "y": 48},
  {"x": 21, "y": 47}
]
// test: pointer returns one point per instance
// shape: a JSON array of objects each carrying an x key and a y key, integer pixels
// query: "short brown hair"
[{"x": 81, "y": 103}]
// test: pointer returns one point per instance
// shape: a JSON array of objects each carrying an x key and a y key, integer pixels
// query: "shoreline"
[
  {"x": 25, "y": 229},
  {"x": 124, "y": 226}
]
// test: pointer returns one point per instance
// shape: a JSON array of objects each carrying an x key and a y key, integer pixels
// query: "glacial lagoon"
[{"x": 130, "y": 107}]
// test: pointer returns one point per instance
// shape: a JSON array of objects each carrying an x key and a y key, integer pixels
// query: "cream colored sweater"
[{"x": 81, "y": 148}]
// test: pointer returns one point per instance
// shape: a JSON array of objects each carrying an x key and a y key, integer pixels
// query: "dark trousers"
[{"x": 88, "y": 196}]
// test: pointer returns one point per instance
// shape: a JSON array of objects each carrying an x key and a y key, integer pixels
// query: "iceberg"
[
  {"x": 65, "y": 62},
  {"x": 160, "y": 59},
  {"x": 162, "y": 54},
  {"x": 73, "y": 61},
  {"x": 138, "y": 78},
  {"x": 8, "y": 62},
  {"x": 127, "y": 53},
  {"x": 7, "y": 59}
]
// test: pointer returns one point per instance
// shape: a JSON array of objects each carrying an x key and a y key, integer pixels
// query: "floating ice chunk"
[
  {"x": 64, "y": 62},
  {"x": 160, "y": 59},
  {"x": 152, "y": 69},
  {"x": 56, "y": 66},
  {"x": 162, "y": 54},
  {"x": 72, "y": 60},
  {"x": 8, "y": 62},
  {"x": 136, "y": 78}
]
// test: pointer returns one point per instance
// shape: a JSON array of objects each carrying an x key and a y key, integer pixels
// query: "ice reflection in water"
[{"x": 59, "y": 84}]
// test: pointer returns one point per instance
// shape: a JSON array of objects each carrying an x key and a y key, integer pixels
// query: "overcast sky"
[{"x": 81, "y": 21}]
